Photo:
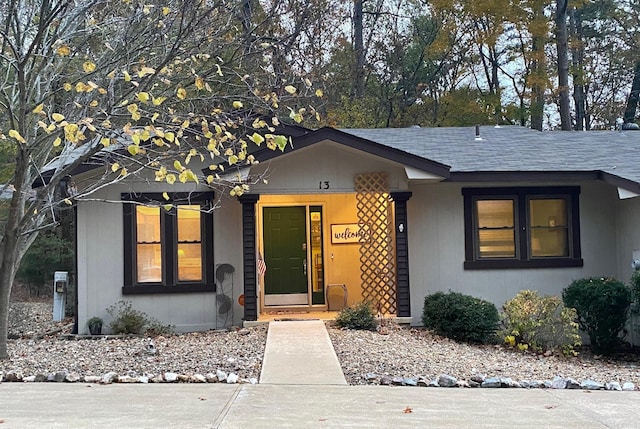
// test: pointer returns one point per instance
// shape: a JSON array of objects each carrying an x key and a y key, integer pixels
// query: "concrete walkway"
[
  {"x": 226, "y": 406},
  {"x": 300, "y": 352}
]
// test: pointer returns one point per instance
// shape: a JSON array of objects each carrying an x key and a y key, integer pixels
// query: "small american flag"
[{"x": 262, "y": 267}]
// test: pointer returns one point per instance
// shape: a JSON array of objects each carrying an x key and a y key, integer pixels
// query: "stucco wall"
[
  {"x": 101, "y": 270},
  {"x": 436, "y": 247}
]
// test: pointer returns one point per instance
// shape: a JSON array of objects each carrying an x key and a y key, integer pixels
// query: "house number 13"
[{"x": 323, "y": 185}]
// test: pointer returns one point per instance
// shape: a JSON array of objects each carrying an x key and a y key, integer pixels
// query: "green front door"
[{"x": 285, "y": 254}]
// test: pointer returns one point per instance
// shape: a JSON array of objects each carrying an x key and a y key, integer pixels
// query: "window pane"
[
  {"x": 549, "y": 232},
  {"x": 548, "y": 213},
  {"x": 189, "y": 262},
  {"x": 189, "y": 223},
  {"x": 497, "y": 243},
  {"x": 149, "y": 263},
  {"x": 189, "y": 243},
  {"x": 495, "y": 213},
  {"x": 496, "y": 232},
  {"x": 148, "y": 246},
  {"x": 148, "y": 224}
]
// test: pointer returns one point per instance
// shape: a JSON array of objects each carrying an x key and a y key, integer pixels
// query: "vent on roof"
[{"x": 478, "y": 133}]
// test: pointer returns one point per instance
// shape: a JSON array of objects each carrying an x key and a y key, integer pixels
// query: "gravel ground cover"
[
  {"x": 237, "y": 351},
  {"x": 414, "y": 352},
  {"x": 402, "y": 353}
]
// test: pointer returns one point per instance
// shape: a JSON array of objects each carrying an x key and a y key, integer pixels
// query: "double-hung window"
[
  {"x": 168, "y": 244},
  {"x": 526, "y": 227}
]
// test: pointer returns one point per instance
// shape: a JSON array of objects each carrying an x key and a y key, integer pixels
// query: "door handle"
[{"x": 304, "y": 266}]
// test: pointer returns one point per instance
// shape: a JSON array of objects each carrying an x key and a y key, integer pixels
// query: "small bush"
[
  {"x": 460, "y": 317},
  {"x": 128, "y": 320},
  {"x": 358, "y": 316},
  {"x": 538, "y": 323},
  {"x": 602, "y": 305}
]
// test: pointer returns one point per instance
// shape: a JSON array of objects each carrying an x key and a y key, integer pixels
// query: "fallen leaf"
[
  {"x": 322, "y": 420},
  {"x": 202, "y": 398},
  {"x": 550, "y": 407},
  {"x": 407, "y": 410}
]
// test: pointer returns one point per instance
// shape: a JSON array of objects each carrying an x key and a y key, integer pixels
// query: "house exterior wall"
[
  {"x": 628, "y": 229},
  {"x": 308, "y": 171},
  {"x": 101, "y": 266},
  {"x": 437, "y": 247}
]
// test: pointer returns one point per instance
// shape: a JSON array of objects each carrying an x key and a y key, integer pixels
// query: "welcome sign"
[{"x": 349, "y": 233}]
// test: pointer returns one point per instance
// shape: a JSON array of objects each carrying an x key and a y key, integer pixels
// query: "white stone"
[
  {"x": 92, "y": 378},
  {"x": 558, "y": 383},
  {"x": 232, "y": 378},
  {"x": 109, "y": 378},
  {"x": 628, "y": 386},
  {"x": 613, "y": 385},
  {"x": 170, "y": 377},
  {"x": 253, "y": 380},
  {"x": 198, "y": 378},
  {"x": 29, "y": 379},
  {"x": 143, "y": 379},
  {"x": 210, "y": 377},
  {"x": 221, "y": 375}
]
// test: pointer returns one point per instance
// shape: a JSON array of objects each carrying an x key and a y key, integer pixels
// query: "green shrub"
[
  {"x": 460, "y": 317},
  {"x": 540, "y": 323},
  {"x": 358, "y": 316},
  {"x": 128, "y": 320},
  {"x": 602, "y": 305}
]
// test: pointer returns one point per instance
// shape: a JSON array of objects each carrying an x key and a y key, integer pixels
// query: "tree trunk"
[
  {"x": 538, "y": 77},
  {"x": 632, "y": 101},
  {"x": 563, "y": 64},
  {"x": 358, "y": 47},
  {"x": 577, "y": 59}
]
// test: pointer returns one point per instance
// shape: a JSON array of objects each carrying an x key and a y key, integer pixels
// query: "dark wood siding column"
[
  {"x": 248, "y": 202},
  {"x": 402, "y": 253}
]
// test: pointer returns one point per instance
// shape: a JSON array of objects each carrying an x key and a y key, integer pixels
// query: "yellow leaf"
[
  {"x": 94, "y": 103},
  {"x": 81, "y": 87},
  {"x": 67, "y": 86},
  {"x": 105, "y": 141},
  {"x": 209, "y": 179},
  {"x": 88, "y": 67},
  {"x": 165, "y": 11},
  {"x": 63, "y": 50},
  {"x": 38, "y": 109},
  {"x": 123, "y": 172},
  {"x": 213, "y": 167},
  {"x": 16, "y": 135},
  {"x": 182, "y": 177},
  {"x": 177, "y": 165},
  {"x": 145, "y": 71},
  {"x": 256, "y": 138},
  {"x": 158, "y": 101},
  {"x": 169, "y": 136},
  {"x": 199, "y": 83},
  {"x": 218, "y": 70},
  {"x": 67, "y": 201},
  {"x": 165, "y": 196},
  {"x": 319, "y": 93},
  {"x": 237, "y": 104},
  {"x": 57, "y": 117},
  {"x": 51, "y": 128},
  {"x": 133, "y": 149},
  {"x": 191, "y": 176},
  {"x": 290, "y": 89},
  {"x": 232, "y": 159},
  {"x": 57, "y": 142},
  {"x": 181, "y": 93},
  {"x": 115, "y": 167},
  {"x": 143, "y": 97},
  {"x": 127, "y": 76},
  {"x": 171, "y": 179},
  {"x": 132, "y": 107}
]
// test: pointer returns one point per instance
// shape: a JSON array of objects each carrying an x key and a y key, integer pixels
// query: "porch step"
[{"x": 300, "y": 352}]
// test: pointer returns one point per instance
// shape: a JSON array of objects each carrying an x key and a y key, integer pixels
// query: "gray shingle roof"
[{"x": 516, "y": 149}]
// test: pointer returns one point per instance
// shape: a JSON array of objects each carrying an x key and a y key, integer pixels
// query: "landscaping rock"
[{"x": 445, "y": 380}]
